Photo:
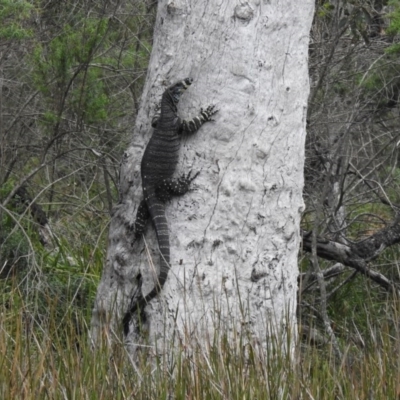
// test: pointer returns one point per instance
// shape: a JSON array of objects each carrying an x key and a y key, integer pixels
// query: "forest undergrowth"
[
  {"x": 45, "y": 353},
  {"x": 71, "y": 76}
]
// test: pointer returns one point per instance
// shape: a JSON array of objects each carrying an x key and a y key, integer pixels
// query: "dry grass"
[{"x": 41, "y": 360}]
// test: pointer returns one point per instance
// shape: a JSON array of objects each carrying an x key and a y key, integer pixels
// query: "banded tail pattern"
[{"x": 194, "y": 124}]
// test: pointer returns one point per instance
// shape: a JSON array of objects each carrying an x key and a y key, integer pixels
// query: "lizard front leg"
[
  {"x": 157, "y": 115},
  {"x": 194, "y": 124}
]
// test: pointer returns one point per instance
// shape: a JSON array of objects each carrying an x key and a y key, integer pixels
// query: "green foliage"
[
  {"x": 12, "y": 15},
  {"x": 71, "y": 85},
  {"x": 371, "y": 82},
  {"x": 93, "y": 100},
  {"x": 353, "y": 305},
  {"x": 340, "y": 88},
  {"x": 382, "y": 84},
  {"x": 58, "y": 293},
  {"x": 392, "y": 175},
  {"x": 49, "y": 117},
  {"x": 82, "y": 72},
  {"x": 366, "y": 219},
  {"x": 62, "y": 72},
  {"x": 72, "y": 69},
  {"x": 325, "y": 9},
  {"x": 393, "y": 49},
  {"x": 394, "y": 26}
]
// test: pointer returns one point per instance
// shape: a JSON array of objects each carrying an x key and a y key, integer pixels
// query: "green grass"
[
  {"x": 47, "y": 359},
  {"x": 45, "y": 352}
]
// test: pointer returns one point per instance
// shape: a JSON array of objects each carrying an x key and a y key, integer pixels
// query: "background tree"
[{"x": 235, "y": 239}]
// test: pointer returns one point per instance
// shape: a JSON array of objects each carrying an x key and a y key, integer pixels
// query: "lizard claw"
[
  {"x": 208, "y": 113},
  {"x": 190, "y": 179}
]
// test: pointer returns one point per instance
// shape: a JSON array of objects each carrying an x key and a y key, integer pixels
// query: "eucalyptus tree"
[{"x": 234, "y": 240}]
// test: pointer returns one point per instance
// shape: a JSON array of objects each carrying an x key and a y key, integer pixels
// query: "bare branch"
[{"x": 357, "y": 255}]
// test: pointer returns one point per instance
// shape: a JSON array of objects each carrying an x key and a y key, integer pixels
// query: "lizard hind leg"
[
  {"x": 182, "y": 184},
  {"x": 175, "y": 187},
  {"x": 142, "y": 217}
]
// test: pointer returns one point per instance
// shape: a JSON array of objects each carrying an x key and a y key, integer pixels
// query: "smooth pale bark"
[{"x": 235, "y": 239}]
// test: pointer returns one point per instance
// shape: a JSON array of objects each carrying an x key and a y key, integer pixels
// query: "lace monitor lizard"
[{"x": 157, "y": 169}]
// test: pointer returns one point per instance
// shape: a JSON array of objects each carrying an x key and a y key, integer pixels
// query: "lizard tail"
[{"x": 157, "y": 213}]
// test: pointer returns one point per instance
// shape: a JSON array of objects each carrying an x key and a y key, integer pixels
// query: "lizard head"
[{"x": 178, "y": 88}]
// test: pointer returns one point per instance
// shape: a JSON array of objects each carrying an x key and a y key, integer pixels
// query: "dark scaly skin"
[{"x": 157, "y": 169}]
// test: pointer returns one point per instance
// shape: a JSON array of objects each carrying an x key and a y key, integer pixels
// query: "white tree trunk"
[{"x": 234, "y": 240}]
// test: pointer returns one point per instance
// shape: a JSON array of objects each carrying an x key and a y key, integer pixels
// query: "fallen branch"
[{"x": 358, "y": 254}]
